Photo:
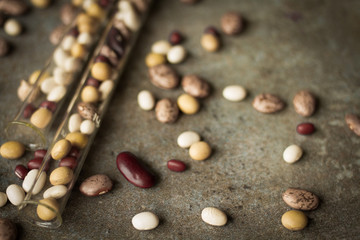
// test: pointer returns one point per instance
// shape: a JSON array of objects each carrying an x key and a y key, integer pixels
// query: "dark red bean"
[
  {"x": 176, "y": 165},
  {"x": 305, "y": 128},
  {"x": 74, "y": 152},
  {"x": 101, "y": 58},
  {"x": 49, "y": 105},
  {"x": 34, "y": 163},
  {"x": 29, "y": 110},
  {"x": 133, "y": 171},
  {"x": 93, "y": 82},
  {"x": 74, "y": 32},
  {"x": 40, "y": 153},
  {"x": 212, "y": 30},
  {"x": 175, "y": 38},
  {"x": 69, "y": 162},
  {"x": 104, "y": 3},
  {"x": 21, "y": 171}
]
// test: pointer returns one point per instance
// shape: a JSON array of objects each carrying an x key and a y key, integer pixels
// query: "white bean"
[
  {"x": 176, "y": 54},
  {"x": 161, "y": 47},
  {"x": 47, "y": 85},
  {"x": 72, "y": 64},
  {"x": 292, "y": 153},
  {"x": 85, "y": 39},
  {"x": 56, "y": 94},
  {"x": 60, "y": 56},
  {"x": 61, "y": 77},
  {"x": 68, "y": 42},
  {"x": 234, "y": 93},
  {"x": 186, "y": 139},
  {"x": 12, "y": 27},
  {"x": 87, "y": 127},
  {"x": 56, "y": 192},
  {"x": 15, "y": 194},
  {"x": 29, "y": 181},
  {"x": 213, "y": 216},
  {"x": 146, "y": 100},
  {"x": 128, "y": 15},
  {"x": 3, "y": 199},
  {"x": 145, "y": 221},
  {"x": 105, "y": 89},
  {"x": 74, "y": 122}
]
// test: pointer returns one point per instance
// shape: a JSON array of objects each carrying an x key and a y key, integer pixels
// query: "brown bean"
[
  {"x": 87, "y": 110},
  {"x": 353, "y": 122},
  {"x": 231, "y": 23},
  {"x": 166, "y": 111},
  {"x": 13, "y": 7},
  {"x": 163, "y": 76},
  {"x": 8, "y": 230},
  {"x": 96, "y": 185},
  {"x": 300, "y": 199},
  {"x": 195, "y": 86},
  {"x": 304, "y": 103},
  {"x": 268, "y": 103}
]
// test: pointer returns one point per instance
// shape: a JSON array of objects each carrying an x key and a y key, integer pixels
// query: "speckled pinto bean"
[{"x": 133, "y": 171}]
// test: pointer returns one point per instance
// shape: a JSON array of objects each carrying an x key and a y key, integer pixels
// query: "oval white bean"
[
  {"x": 15, "y": 194},
  {"x": 176, "y": 54},
  {"x": 213, "y": 216},
  {"x": 85, "y": 39},
  {"x": 56, "y": 94},
  {"x": 72, "y": 64},
  {"x": 3, "y": 199},
  {"x": 30, "y": 180},
  {"x": 60, "y": 56},
  {"x": 74, "y": 122},
  {"x": 234, "y": 93},
  {"x": 87, "y": 127},
  {"x": 186, "y": 139},
  {"x": 68, "y": 42},
  {"x": 145, "y": 221},
  {"x": 146, "y": 100},
  {"x": 47, "y": 85},
  {"x": 292, "y": 153},
  {"x": 161, "y": 47},
  {"x": 56, "y": 192},
  {"x": 61, "y": 77},
  {"x": 105, "y": 89}
]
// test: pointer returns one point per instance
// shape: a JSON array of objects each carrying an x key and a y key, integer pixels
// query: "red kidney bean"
[
  {"x": 176, "y": 165},
  {"x": 211, "y": 30},
  {"x": 69, "y": 162},
  {"x": 21, "y": 171},
  {"x": 133, "y": 171},
  {"x": 92, "y": 82},
  {"x": 74, "y": 152},
  {"x": 101, "y": 58},
  {"x": 36, "y": 164},
  {"x": 49, "y": 105},
  {"x": 74, "y": 32},
  {"x": 40, "y": 153},
  {"x": 305, "y": 128},
  {"x": 175, "y": 38},
  {"x": 29, "y": 110}
]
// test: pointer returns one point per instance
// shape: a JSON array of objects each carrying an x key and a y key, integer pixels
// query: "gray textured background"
[{"x": 287, "y": 46}]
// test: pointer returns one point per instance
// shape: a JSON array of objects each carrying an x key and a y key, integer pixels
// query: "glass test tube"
[
  {"x": 54, "y": 82},
  {"x": 111, "y": 54}
]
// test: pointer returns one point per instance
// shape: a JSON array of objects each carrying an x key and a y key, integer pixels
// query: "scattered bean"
[
  {"x": 96, "y": 185},
  {"x": 163, "y": 76},
  {"x": 61, "y": 176},
  {"x": 74, "y": 122},
  {"x": 15, "y": 194},
  {"x": 292, "y": 153},
  {"x": 300, "y": 199},
  {"x": 304, "y": 103},
  {"x": 186, "y": 139},
  {"x": 166, "y": 111},
  {"x": 56, "y": 192},
  {"x": 12, "y": 27},
  {"x": 8, "y": 230},
  {"x": 60, "y": 149},
  {"x": 200, "y": 151},
  {"x": 133, "y": 171},
  {"x": 176, "y": 165},
  {"x": 12, "y": 150},
  {"x": 188, "y": 104},
  {"x": 268, "y": 103},
  {"x": 161, "y": 47},
  {"x": 87, "y": 127},
  {"x": 195, "y": 86},
  {"x": 231, "y": 23},
  {"x": 305, "y": 128},
  {"x": 294, "y": 220},
  {"x": 234, "y": 93},
  {"x": 48, "y": 209},
  {"x": 154, "y": 59},
  {"x": 353, "y": 122},
  {"x": 77, "y": 139},
  {"x": 175, "y": 38},
  {"x": 214, "y": 216},
  {"x": 90, "y": 94},
  {"x": 69, "y": 162},
  {"x": 146, "y": 100},
  {"x": 29, "y": 181},
  {"x": 176, "y": 54},
  {"x": 3, "y": 200},
  {"x": 13, "y": 7},
  {"x": 210, "y": 42},
  {"x": 145, "y": 221},
  {"x": 21, "y": 171},
  {"x": 41, "y": 118}
]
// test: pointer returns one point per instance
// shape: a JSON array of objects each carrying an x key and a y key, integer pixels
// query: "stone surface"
[{"x": 287, "y": 46}]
